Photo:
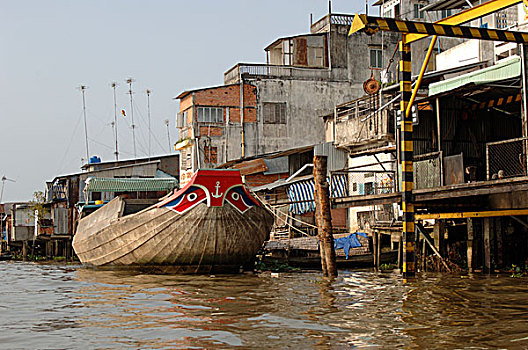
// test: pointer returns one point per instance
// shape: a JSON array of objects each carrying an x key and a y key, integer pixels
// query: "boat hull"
[{"x": 201, "y": 240}]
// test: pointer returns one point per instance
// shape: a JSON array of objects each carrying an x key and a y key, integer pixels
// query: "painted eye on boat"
[
  {"x": 235, "y": 196},
  {"x": 192, "y": 196}
]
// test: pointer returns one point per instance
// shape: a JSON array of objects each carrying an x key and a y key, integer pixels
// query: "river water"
[{"x": 49, "y": 306}]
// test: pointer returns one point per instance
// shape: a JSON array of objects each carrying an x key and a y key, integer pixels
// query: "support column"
[
  {"x": 375, "y": 249},
  {"x": 400, "y": 253},
  {"x": 24, "y": 250},
  {"x": 378, "y": 250},
  {"x": 487, "y": 246},
  {"x": 470, "y": 244},
  {"x": 498, "y": 240},
  {"x": 406, "y": 156}
]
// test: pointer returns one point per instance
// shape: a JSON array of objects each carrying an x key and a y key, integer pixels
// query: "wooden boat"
[{"x": 213, "y": 224}]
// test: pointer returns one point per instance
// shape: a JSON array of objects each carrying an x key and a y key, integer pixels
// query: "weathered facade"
[
  {"x": 469, "y": 161},
  {"x": 305, "y": 77}
]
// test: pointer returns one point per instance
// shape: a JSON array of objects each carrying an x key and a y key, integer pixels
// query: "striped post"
[
  {"x": 406, "y": 158},
  {"x": 371, "y": 25}
]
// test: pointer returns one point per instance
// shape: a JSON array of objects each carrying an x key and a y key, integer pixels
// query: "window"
[
  {"x": 210, "y": 115},
  {"x": 417, "y": 12},
  {"x": 376, "y": 58},
  {"x": 274, "y": 113},
  {"x": 287, "y": 51},
  {"x": 181, "y": 119},
  {"x": 210, "y": 154},
  {"x": 501, "y": 20},
  {"x": 445, "y": 13}
]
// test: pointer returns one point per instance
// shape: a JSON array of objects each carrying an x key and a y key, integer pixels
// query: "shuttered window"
[
  {"x": 274, "y": 113},
  {"x": 211, "y": 154},
  {"x": 210, "y": 115}
]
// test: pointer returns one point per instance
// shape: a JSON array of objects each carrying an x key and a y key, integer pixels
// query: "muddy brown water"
[{"x": 46, "y": 306}]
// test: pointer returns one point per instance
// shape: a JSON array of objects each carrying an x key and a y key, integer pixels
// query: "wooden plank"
[
  {"x": 474, "y": 214},
  {"x": 375, "y": 199},
  {"x": 251, "y": 167},
  {"x": 434, "y": 194}
]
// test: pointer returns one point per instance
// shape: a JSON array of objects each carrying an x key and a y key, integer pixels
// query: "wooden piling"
[
  {"x": 375, "y": 249},
  {"x": 498, "y": 240},
  {"x": 400, "y": 253},
  {"x": 24, "y": 250},
  {"x": 487, "y": 250},
  {"x": 470, "y": 244},
  {"x": 323, "y": 217},
  {"x": 378, "y": 251},
  {"x": 438, "y": 235},
  {"x": 423, "y": 255}
]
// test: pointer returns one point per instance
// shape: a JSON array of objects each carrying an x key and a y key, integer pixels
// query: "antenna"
[
  {"x": 83, "y": 88},
  {"x": 168, "y": 134},
  {"x": 148, "y": 113},
  {"x": 114, "y": 125},
  {"x": 4, "y": 179},
  {"x": 129, "y": 82}
]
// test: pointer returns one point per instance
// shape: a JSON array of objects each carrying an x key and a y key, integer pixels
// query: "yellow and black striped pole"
[
  {"x": 406, "y": 159},
  {"x": 371, "y": 25}
]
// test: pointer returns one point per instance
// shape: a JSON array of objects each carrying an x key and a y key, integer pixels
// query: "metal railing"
[
  {"x": 506, "y": 158},
  {"x": 341, "y": 19},
  {"x": 260, "y": 70},
  {"x": 365, "y": 182}
]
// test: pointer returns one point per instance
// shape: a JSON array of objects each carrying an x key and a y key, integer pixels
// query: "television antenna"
[{"x": 4, "y": 179}]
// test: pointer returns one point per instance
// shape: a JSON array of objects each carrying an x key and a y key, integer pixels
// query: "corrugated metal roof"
[
  {"x": 277, "y": 165},
  {"x": 337, "y": 158},
  {"x": 507, "y": 69},
  {"x": 102, "y": 184}
]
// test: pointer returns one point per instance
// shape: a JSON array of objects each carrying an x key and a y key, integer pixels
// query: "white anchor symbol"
[{"x": 217, "y": 195}]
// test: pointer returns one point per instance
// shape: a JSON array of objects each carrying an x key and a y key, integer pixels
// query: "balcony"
[
  {"x": 364, "y": 123},
  {"x": 255, "y": 70}
]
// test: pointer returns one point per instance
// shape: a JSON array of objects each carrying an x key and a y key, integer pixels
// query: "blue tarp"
[{"x": 351, "y": 241}]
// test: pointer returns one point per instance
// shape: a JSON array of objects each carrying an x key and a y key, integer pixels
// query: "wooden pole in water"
[
  {"x": 470, "y": 244},
  {"x": 378, "y": 249},
  {"x": 24, "y": 250},
  {"x": 487, "y": 256},
  {"x": 323, "y": 217},
  {"x": 498, "y": 239},
  {"x": 375, "y": 249}
]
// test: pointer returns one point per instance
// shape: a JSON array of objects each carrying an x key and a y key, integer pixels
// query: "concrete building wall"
[
  {"x": 358, "y": 47},
  {"x": 306, "y": 101}
]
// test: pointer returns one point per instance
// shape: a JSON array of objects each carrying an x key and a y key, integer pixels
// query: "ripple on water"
[{"x": 63, "y": 306}]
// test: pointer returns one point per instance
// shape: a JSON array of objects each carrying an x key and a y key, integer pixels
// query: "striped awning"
[
  {"x": 303, "y": 193},
  {"x": 103, "y": 184}
]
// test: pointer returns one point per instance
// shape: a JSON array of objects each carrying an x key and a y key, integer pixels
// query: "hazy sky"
[{"x": 48, "y": 48}]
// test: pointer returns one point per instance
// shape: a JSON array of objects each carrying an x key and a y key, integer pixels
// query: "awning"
[
  {"x": 510, "y": 68},
  {"x": 102, "y": 184},
  {"x": 303, "y": 193}
]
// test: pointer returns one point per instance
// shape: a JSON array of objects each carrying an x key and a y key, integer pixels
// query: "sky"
[{"x": 49, "y": 48}]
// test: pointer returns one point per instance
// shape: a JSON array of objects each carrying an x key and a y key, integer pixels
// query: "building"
[
  {"x": 469, "y": 150},
  {"x": 274, "y": 106},
  {"x": 69, "y": 197}
]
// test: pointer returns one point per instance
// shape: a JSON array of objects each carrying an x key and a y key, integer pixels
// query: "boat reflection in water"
[{"x": 211, "y": 225}]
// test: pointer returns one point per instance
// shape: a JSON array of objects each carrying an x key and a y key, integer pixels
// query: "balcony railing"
[
  {"x": 341, "y": 19},
  {"x": 263, "y": 70},
  {"x": 506, "y": 158}
]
